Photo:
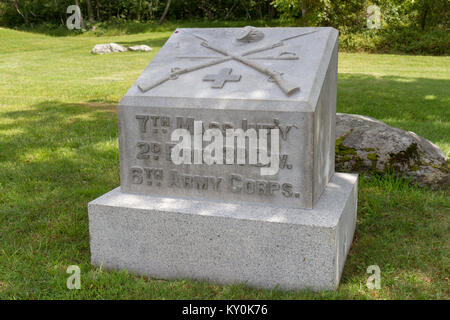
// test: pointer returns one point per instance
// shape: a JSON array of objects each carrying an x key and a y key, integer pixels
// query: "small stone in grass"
[{"x": 141, "y": 47}]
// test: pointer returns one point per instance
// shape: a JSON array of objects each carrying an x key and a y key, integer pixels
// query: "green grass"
[
  {"x": 58, "y": 151},
  {"x": 396, "y": 40}
]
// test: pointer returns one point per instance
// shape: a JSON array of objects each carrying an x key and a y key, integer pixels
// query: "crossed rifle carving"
[{"x": 286, "y": 86}]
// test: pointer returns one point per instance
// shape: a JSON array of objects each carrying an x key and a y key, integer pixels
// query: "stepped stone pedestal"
[{"x": 230, "y": 223}]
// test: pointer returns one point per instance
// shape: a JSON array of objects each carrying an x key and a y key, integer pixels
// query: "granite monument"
[{"x": 226, "y": 221}]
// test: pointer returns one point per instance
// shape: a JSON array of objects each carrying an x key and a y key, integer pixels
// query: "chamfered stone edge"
[{"x": 225, "y": 242}]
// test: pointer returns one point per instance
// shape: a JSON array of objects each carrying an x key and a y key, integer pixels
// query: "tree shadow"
[
  {"x": 52, "y": 123},
  {"x": 56, "y": 153},
  {"x": 54, "y": 158}
]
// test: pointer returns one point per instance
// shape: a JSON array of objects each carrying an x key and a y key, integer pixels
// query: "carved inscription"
[{"x": 152, "y": 155}]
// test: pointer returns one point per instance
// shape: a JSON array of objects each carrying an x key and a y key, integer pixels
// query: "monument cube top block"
[
  {"x": 270, "y": 78},
  {"x": 303, "y": 60}
]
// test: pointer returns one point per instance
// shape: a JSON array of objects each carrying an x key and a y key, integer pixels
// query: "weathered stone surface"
[
  {"x": 169, "y": 238},
  {"x": 108, "y": 48},
  {"x": 141, "y": 47},
  {"x": 306, "y": 117},
  {"x": 367, "y": 144},
  {"x": 229, "y": 222}
]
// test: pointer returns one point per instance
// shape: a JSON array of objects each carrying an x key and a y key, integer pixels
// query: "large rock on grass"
[
  {"x": 141, "y": 47},
  {"x": 365, "y": 144},
  {"x": 108, "y": 48}
]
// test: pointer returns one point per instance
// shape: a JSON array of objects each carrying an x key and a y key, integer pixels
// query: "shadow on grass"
[
  {"x": 60, "y": 146},
  {"x": 54, "y": 159}
]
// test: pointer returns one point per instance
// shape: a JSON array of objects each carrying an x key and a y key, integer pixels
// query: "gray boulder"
[
  {"x": 141, "y": 47},
  {"x": 365, "y": 144},
  {"x": 108, "y": 48}
]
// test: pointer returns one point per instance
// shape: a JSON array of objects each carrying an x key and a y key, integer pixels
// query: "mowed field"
[{"x": 59, "y": 150}]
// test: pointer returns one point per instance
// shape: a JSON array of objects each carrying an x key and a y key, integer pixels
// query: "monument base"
[{"x": 260, "y": 246}]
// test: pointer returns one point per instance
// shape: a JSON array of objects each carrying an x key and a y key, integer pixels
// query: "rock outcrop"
[
  {"x": 114, "y": 47},
  {"x": 365, "y": 144},
  {"x": 141, "y": 47},
  {"x": 108, "y": 48}
]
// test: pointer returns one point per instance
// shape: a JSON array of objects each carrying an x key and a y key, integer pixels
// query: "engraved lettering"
[
  {"x": 158, "y": 174},
  {"x": 187, "y": 124},
  {"x": 236, "y": 183},
  {"x": 165, "y": 122},
  {"x": 144, "y": 149},
  {"x": 136, "y": 174},
  {"x": 142, "y": 123},
  {"x": 249, "y": 186},
  {"x": 287, "y": 190},
  {"x": 187, "y": 181},
  {"x": 174, "y": 180},
  {"x": 283, "y": 130},
  {"x": 201, "y": 183},
  {"x": 215, "y": 182},
  {"x": 273, "y": 186},
  {"x": 169, "y": 147},
  {"x": 154, "y": 120},
  {"x": 214, "y": 125},
  {"x": 244, "y": 124},
  {"x": 261, "y": 187},
  {"x": 155, "y": 147}
]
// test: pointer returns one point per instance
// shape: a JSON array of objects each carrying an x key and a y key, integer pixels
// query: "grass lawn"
[{"x": 59, "y": 150}]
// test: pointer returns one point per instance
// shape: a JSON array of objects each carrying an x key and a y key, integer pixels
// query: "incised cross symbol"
[{"x": 220, "y": 78}]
